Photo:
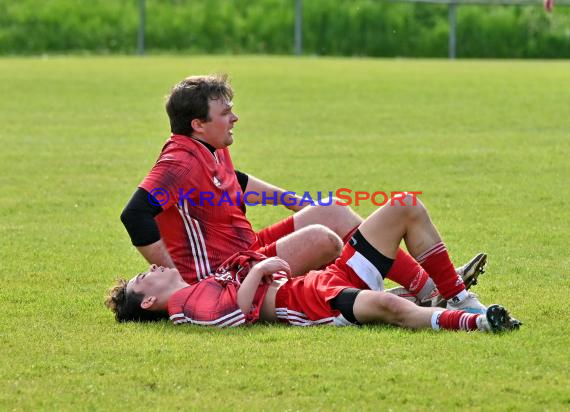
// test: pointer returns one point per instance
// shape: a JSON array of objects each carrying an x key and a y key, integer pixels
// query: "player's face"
[
  {"x": 154, "y": 282},
  {"x": 218, "y": 130}
]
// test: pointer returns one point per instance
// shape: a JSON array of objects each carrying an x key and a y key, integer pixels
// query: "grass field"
[{"x": 487, "y": 142}]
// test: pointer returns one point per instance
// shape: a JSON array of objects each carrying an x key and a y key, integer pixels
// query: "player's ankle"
[
  {"x": 460, "y": 297},
  {"x": 483, "y": 324},
  {"x": 427, "y": 290}
]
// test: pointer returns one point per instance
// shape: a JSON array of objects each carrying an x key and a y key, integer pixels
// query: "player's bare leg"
[
  {"x": 309, "y": 248},
  {"x": 407, "y": 218},
  {"x": 340, "y": 219},
  {"x": 386, "y": 227},
  {"x": 381, "y": 307}
]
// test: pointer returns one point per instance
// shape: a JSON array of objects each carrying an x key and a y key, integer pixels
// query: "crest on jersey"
[{"x": 217, "y": 181}]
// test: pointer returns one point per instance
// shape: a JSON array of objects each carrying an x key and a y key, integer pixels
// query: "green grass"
[{"x": 487, "y": 143}]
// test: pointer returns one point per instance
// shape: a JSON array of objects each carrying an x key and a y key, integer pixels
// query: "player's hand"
[
  {"x": 270, "y": 266},
  {"x": 548, "y": 5}
]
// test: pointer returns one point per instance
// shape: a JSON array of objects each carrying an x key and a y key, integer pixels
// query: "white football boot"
[{"x": 469, "y": 304}]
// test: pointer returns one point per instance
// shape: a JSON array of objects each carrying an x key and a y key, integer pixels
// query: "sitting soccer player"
[{"x": 350, "y": 291}]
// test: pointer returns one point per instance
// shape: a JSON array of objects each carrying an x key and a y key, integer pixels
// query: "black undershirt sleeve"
[
  {"x": 242, "y": 180},
  {"x": 138, "y": 218}
]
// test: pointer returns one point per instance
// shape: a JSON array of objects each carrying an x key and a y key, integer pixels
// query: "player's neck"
[
  {"x": 162, "y": 302},
  {"x": 176, "y": 286},
  {"x": 203, "y": 141}
]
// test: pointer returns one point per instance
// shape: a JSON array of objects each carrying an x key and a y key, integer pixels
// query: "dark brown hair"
[
  {"x": 189, "y": 100},
  {"x": 127, "y": 305}
]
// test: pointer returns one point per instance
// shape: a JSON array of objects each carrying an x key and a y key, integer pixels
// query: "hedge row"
[{"x": 331, "y": 27}]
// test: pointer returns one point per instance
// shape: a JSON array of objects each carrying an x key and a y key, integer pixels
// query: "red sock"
[
  {"x": 436, "y": 262},
  {"x": 347, "y": 237},
  {"x": 407, "y": 272},
  {"x": 455, "y": 320}
]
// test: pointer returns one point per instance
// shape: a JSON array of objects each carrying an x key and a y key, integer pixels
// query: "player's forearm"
[
  {"x": 247, "y": 290},
  {"x": 156, "y": 253},
  {"x": 274, "y": 195}
]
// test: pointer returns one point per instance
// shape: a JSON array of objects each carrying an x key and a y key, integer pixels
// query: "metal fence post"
[
  {"x": 142, "y": 24},
  {"x": 298, "y": 27},
  {"x": 452, "y": 30}
]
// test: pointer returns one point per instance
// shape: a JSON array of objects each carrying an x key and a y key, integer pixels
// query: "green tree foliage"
[{"x": 331, "y": 27}]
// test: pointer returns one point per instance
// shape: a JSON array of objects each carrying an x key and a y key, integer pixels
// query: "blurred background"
[{"x": 378, "y": 28}]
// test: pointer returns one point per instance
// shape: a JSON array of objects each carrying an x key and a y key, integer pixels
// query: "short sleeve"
[{"x": 165, "y": 181}]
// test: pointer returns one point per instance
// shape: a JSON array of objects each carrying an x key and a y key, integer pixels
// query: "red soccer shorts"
[{"x": 304, "y": 300}]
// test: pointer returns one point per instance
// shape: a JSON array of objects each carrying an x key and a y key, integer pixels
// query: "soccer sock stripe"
[
  {"x": 455, "y": 320},
  {"x": 438, "y": 247}
]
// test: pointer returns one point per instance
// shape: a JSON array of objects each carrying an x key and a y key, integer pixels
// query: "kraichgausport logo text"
[{"x": 341, "y": 197}]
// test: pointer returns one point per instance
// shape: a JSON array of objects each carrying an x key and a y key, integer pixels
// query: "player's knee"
[
  {"x": 409, "y": 205},
  {"x": 334, "y": 244},
  {"x": 326, "y": 241},
  {"x": 391, "y": 308}
]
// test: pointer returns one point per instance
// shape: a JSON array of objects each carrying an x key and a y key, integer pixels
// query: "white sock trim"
[
  {"x": 435, "y": 320},
  {"x": 482, "y": 324},
  {"x": 460, "y": 297}
]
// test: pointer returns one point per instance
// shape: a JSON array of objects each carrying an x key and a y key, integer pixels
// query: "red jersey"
[
  {"x": 202, "y": 222},
  {"x": 301, "y": 301},
  {"x": 213, "y": 301}
]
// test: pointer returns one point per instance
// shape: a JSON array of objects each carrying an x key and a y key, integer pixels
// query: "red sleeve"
[
  {"x": 167, "y": 178},
  {"x": 228, "y": 299}
]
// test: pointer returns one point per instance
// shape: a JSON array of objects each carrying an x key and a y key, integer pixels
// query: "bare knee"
[
  {"x": 408, "y": 205},
  {"x": 393, "y": 309},
  {"x": 334, "y": 244},
  {"x": 325, "y": 241}
]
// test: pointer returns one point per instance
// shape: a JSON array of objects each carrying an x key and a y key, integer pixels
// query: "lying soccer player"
[{"x": 350, "y": 291}]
